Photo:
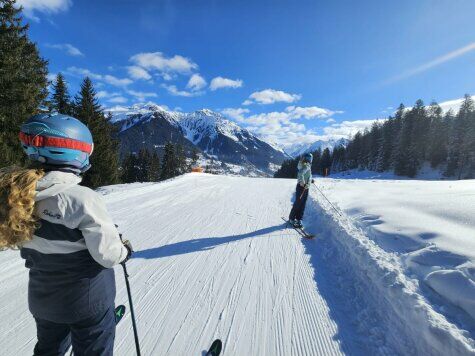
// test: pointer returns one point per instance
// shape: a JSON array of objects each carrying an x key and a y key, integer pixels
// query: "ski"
[
  {"x": 119, "y": 313},
  {"x": 215, "y": 348},
  {"x": 300, "y": 230}
]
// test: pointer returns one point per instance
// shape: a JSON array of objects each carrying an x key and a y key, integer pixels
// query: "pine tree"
[
  {"x": 60, "y": 99},
  {"x": 154, "y": 168},
  {"x": 288, "y": 169},
  {"x": 180, "y": 159},
  {"x": 130, "y": 169},
  {"x": 326, "y": 162},
  {"x": 386, "y": 145},
  {"x": 143, "y": 164},
  {"x": 375, "y": 143},
  {"x": 405, "y": 164},
  {"x": 338, "y": 159},
  {"x": 169, "y": 164},
  {"x": 438, "y": 136},
  {"x": 23, "y": 82},
  {"x": 420, "y": 134},
  {"x": 396, "y": 134},
  {"x": 458, "y": 143},
  {"x": 316, "y": 166},
  {"x": 105, "y": 158}
]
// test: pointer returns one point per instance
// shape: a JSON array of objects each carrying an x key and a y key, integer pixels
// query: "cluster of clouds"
[
  {"x": 284, "y": 127},
  {"x": 149, "y": 64}
]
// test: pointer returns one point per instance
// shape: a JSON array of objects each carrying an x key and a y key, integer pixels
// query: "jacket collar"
[{"x": 54, "y": 182}]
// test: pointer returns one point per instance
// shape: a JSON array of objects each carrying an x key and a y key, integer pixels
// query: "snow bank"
[{"x": 407, "y": 321}]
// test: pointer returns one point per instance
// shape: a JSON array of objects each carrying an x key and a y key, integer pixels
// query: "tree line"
[
  {"x": 405, "y": 142},
  {"x": 24, "y": 92},
  {"x": 146, "y": 166}
]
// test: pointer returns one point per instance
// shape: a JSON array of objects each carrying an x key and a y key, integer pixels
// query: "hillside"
[{"x": 219, "y": 261}]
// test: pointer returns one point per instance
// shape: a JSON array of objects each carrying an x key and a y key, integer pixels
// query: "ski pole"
[
  {"x": 134, "y": 325},
  {"x": 337, "y": 211}
]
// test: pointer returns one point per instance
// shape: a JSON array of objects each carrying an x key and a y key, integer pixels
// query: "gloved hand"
[
  {"x": 130, "y": 250},
  {"x": 313, "y": 180}
]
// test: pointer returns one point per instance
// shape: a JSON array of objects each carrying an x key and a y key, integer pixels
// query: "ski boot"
[{"x": 298, "y": 224}]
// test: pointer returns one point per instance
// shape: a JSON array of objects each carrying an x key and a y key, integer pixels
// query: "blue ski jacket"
[{"x": 71, "y": 254}]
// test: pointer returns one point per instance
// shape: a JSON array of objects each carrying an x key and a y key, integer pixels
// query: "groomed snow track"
[{"x": 215, "y": 260}]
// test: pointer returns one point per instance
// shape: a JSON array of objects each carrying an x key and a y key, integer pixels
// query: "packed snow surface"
[
  {"x": 214, "y": 259},
  {"x": 428, "y": 225}
]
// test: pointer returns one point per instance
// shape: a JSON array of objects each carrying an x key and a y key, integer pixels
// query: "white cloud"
[
  {"x": 109, "y": 79},
  {"x": 83, "y": 72},
  {"x": 310, "y": 112},
  {"x": 118, "y": 100},
  {"x": 137, "y": 72},
  {"x": 220, "y": 83},
  {"x": 105, "y": 94},
  {"x": 173, "y": 90},
  {"x": 235, "y": 113},
  {"x": 51, "y": 77},
  {"x": 196, "y": 82},
  {"x": 431, "y": 64},
  {"x": 270, "y": 96},
  {"x": 140, "y": 95},
  {"x": 68, "y": 48},
  {"x": 167, "y": 76},
  {"x": 119, "y": 82},
  {"x": 157, "y": 61},
  {"x": 30, "y": 7},
  {"x": 281, "y": 126}
]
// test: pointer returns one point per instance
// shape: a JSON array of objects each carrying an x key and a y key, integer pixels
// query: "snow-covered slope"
[
  {"x": 214, "y": 259},
  {"x": 301, "y": 148},
  {"x": 150, "y": 125},
  {"x": 427, "y": 226}
]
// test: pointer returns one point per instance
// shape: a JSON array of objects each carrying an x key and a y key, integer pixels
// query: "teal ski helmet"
[
  {"x": 56, "y": 139},
  {"x": 308, "y": 157}
]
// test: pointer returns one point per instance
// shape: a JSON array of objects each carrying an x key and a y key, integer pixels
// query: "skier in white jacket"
[{"x": 66, "y": 236}]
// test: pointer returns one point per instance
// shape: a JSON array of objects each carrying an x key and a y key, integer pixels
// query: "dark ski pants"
[
  {"x": 298, "y": 209},
  {"x": 89, "y": 337}
]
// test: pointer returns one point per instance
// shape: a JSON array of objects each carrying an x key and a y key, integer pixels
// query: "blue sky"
[{"x": 291, "y": 71}]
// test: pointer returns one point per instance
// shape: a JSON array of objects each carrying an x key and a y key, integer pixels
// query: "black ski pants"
[
  {"x": 298, "y": 209},
  {"x": 90, "y": 337}
]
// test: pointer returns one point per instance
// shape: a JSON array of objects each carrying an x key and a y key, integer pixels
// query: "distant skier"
[
  {"x": 304, "y": 178},
  {"x": 65, "y": 235}
]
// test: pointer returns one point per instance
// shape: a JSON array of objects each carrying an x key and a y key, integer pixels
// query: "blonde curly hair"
[{"x": 17, "y": 203}]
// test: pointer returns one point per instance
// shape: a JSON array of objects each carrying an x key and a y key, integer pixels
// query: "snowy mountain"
[
  {"x": 151, "y": 126},
  {"x": 301, "y": 148}
]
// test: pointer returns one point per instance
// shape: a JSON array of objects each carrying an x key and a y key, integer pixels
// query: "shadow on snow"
[{"x": 201, "y": 244}]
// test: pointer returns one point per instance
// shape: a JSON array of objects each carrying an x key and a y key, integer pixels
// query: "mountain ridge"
[{"x": 151, "y": 126}]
